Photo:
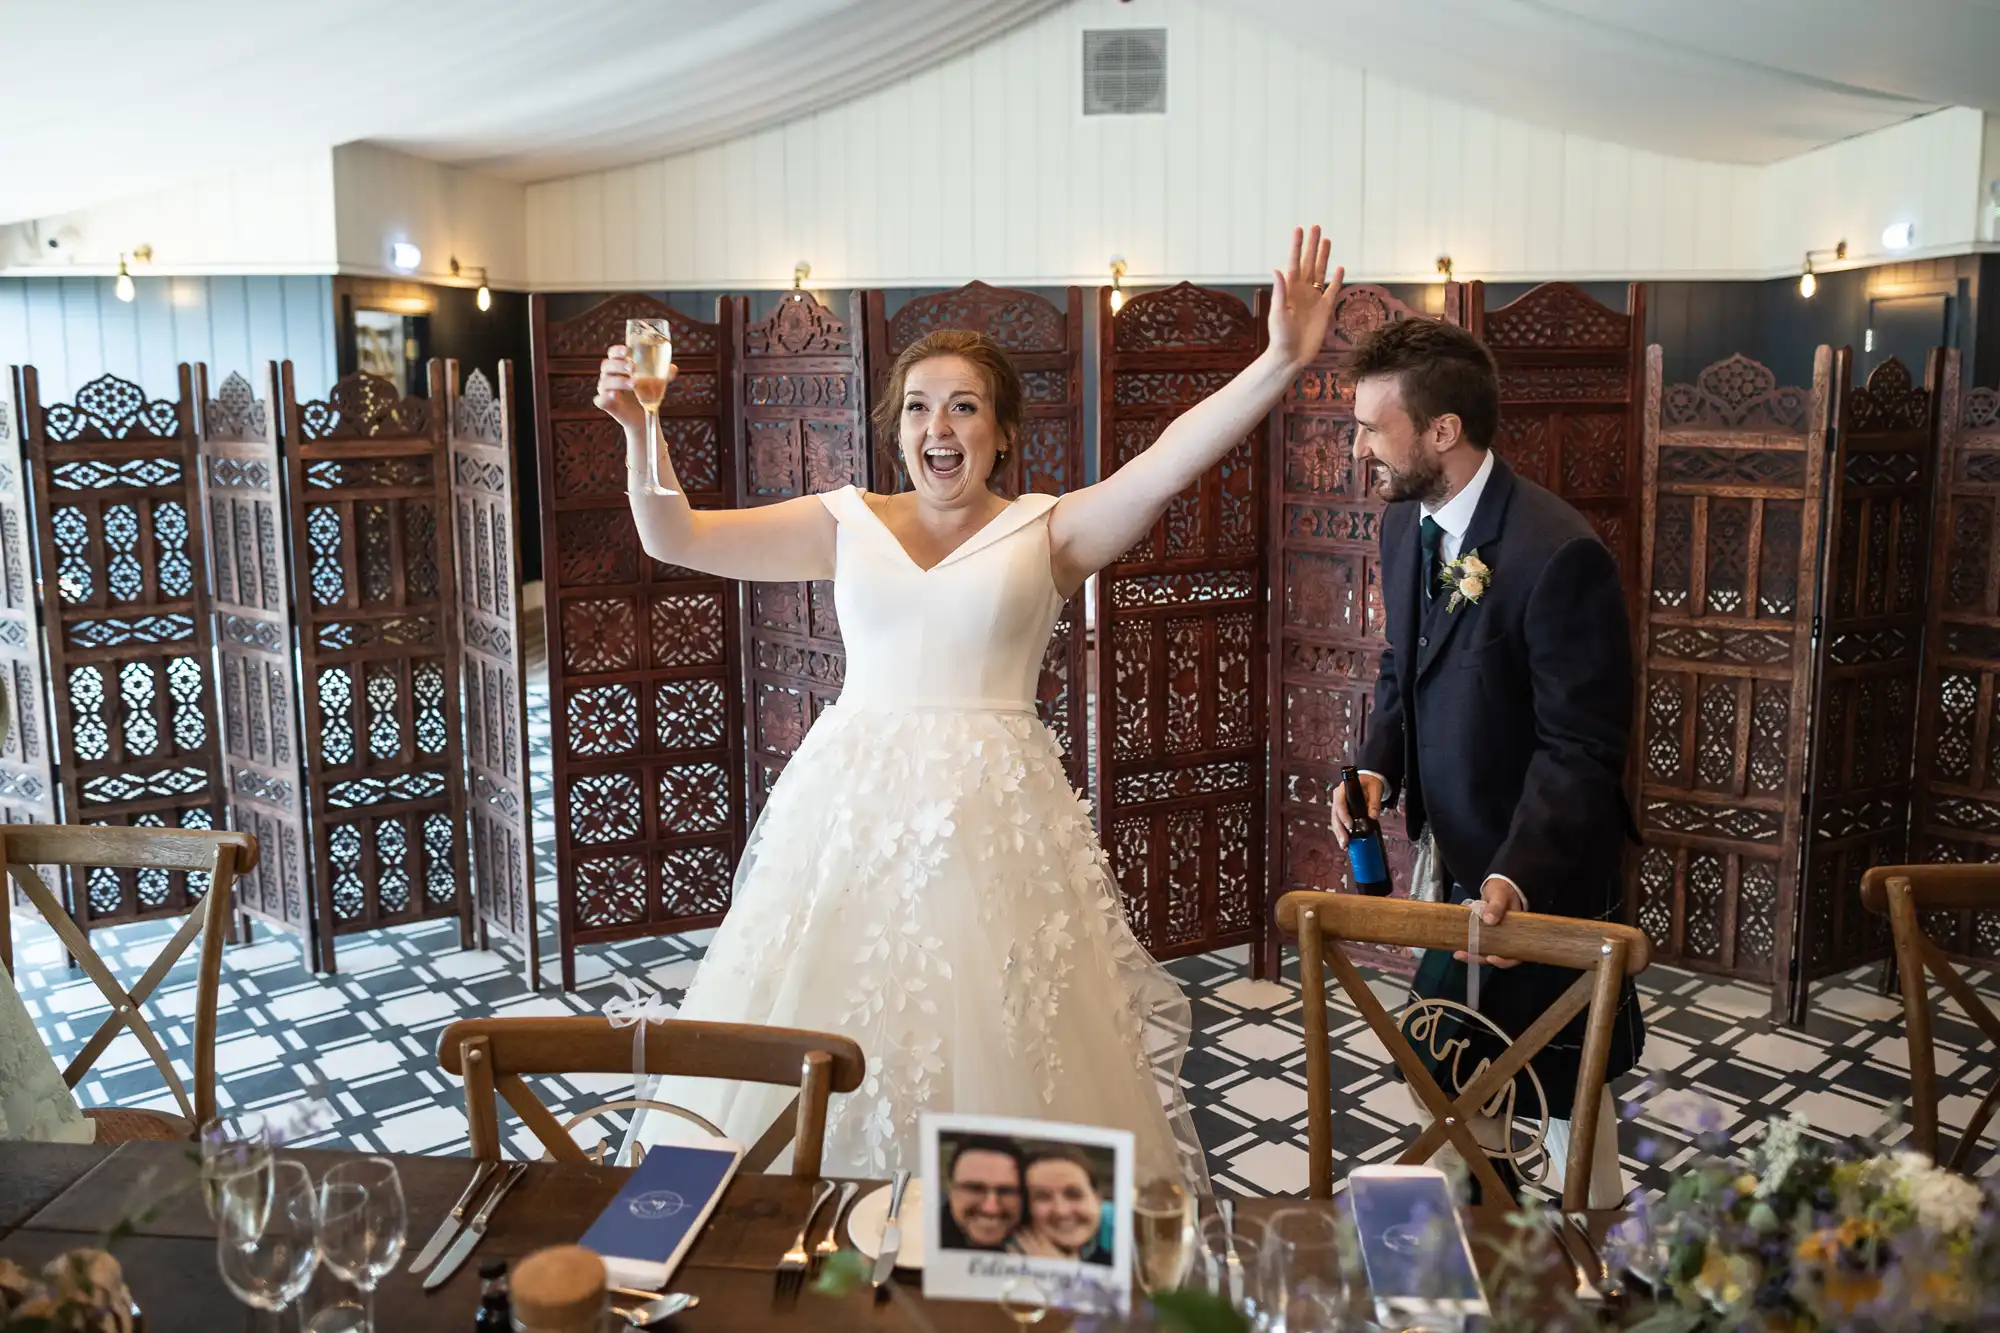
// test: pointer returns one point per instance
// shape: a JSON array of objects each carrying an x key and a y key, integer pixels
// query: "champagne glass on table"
[
  {"x": 234, "y": 1146},
  {"x": 362, "y": 1221},
  {"x": 1163, "y": 1234},
  {"x": 266, "y": 1242},
  {"x": 1304, "y": 1283},
  {"x": 651, "y": 345}
]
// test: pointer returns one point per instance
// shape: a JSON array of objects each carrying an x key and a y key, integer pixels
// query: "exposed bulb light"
[
  {"x": 484, "y": 300},
  {"x": 1898, "y": 235},
  {"x": 800, "y": 272},
  {"x": 1117, "y": 284},
  {"x": 124, "y": 286},
  {"x": 405, "y": 256},
  {"x": 1808, "y": 284}
]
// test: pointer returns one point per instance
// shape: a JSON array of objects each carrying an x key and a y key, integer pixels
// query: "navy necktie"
[{"x": 1433, "y": 537}]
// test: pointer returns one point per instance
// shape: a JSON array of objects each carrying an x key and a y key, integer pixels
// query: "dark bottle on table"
[
  {"x": 494, "y": 1314},
  {"x": 1366, "y": 860}
]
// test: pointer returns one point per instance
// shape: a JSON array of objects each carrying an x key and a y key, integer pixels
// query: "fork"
[
  {"x": 791, "y": 1276},
  {"x": 826, "y": 1248}
]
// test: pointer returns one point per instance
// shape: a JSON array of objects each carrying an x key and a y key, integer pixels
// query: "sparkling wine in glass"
[
  {"x": 651, "y": 343},
  {"x": 232, "y": 1147},
  {"x": 1163, "y": 1234},
  {"x": 266, "y": 1244},
  {"x": 362, "y": 1221}
]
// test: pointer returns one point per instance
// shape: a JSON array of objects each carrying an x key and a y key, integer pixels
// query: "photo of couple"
[{"x": 1041, "y": 1198}]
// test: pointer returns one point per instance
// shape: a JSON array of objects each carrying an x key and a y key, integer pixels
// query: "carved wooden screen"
[
  {"x": 1570, "y": 374},
  {"x": 128, "y": 637},
  {"x": 1180, "y": 666},
  {"x": 802, "y": 429},
  {"x": 1326, "y": 613},
  {"x": 1046, "y": 346},
  {"x": 370, "y": 499},
  {"x": 486, "y": 518},
  {"x": 1872, "y": 598},
  {"x": 644, "y": 658},
  {"x": 27, "y": 788},
  {"x": 1958, "y": 742},
  {"x": 242, "y": 482},
  {"x": 1729, "y": 532}
]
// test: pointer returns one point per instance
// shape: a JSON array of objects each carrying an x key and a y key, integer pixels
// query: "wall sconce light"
[
  {"x": 1444, "y": 266},
  {"x": 405, "y": 256},
  {"x": 800, "y": 272},
  {"x": 1898, "y": 236},
  {"x": 1808, "y": 284},
  {"x": 484, "y": 297},
  {"x": 142, "y": 254},
  {"x": 123, "y": 287},
  {"x": 1117, "y": 284}
]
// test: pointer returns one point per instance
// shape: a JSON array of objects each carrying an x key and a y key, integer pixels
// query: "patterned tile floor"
[{"x": 367, "y": 1037}]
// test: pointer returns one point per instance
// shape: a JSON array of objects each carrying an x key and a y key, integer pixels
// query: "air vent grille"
[{"x": 1125, "y": 72}]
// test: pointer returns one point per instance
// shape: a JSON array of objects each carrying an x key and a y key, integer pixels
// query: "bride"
[{"x": 923, "y": 879}]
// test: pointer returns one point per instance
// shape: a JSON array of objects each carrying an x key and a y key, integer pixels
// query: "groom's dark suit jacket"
[{"x": 1503, "y": 726}]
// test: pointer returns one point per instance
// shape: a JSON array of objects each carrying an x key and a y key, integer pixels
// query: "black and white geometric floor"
[{"x": 366, "y": 1040}]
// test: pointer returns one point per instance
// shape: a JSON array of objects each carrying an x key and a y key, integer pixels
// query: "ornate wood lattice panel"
[
  {"x": 801, "y": 429},
  {"x": 370, "y": 502},
  {"x": 1570, "y": 376},
  {"x": 1958, "y": 740},
  {"x": 27, "y": 788},
  {"x": 1729, "y": 533},
  {"x": 242, "y": 488},
  {"x": 487, "y": 519},
  {"x": 644, "y": 658},
  {"x": 1046, "y": 346},
  {"x": 1873, "y": 587},
  {"x": 128, "y": 636},
  {"x": 1180, "y": 689},
  {"x": 1326, "y": 627}
]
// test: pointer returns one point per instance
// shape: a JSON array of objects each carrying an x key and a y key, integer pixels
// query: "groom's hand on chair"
[{"x": 1497, "y": 897}]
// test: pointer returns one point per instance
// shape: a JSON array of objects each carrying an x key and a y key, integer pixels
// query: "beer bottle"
[{"x": 1366, "y": 860}]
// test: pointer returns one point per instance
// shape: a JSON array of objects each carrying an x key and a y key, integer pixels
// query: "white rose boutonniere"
[{"x": 1468, "y": 577}]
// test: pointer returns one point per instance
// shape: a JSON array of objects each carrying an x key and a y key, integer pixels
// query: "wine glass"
[
  {"x": 651, "y": 344},
  {"x": 1212, "y": 1263},
  {"x": 233, "y": 1146},
  {"x": 1303, "y": 1284},
  {"x": 361, "y": 1224},
  {"x": 266, "y": 1243},
  {"x": 1163, "y": 1234}
]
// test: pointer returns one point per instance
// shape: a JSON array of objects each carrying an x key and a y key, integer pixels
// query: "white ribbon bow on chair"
[{"x": 639, "y": 1010}]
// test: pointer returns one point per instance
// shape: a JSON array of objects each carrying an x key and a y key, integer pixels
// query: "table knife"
[
  {"x": 892, "y": 1232},
  {"x": 474, "y": 1229},
  {"x": 442, "y": 1236}
]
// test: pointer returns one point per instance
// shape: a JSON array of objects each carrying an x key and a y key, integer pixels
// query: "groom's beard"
[{"x": 1423, "y": 480}]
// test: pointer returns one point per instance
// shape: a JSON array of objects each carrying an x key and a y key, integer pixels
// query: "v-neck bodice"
[{"x": 969, "y": 632}]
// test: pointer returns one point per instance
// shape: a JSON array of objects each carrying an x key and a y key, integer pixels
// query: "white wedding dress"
[{"x": 924, "y": 880}]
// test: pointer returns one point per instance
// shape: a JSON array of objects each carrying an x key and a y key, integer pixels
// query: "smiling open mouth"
[{"x": 943, "y": 461}]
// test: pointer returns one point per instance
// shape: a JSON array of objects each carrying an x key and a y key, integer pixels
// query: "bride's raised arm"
[
  {"x": 1090, "y": 528},
  {"x": 792, "y": 540}
]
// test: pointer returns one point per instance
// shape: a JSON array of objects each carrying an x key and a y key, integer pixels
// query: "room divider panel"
[
  {"x": 242, "y": 486},
  {"x": 1730, "y": 531},
  {"x": 369, "y": 495},
  {"x": 486, "y": 524},
  {"x": 1045, "y": 343},
  {"x": 27, "y": 786},
  {"x": 128, "y": 636},
  {"x": 645, "y": 659},
  {"x": 1958, "y": 739},
  {"x": 802, "y": 425},
  {"x": 1180, "y": 622}
]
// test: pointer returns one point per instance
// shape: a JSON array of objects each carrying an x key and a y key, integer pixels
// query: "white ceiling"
[{"x": 105, "y": 100}]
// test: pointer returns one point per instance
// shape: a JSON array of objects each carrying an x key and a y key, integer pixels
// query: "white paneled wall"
[
  {"x": 1263, "y": 130},
  {"x": 383, "y": 196}
]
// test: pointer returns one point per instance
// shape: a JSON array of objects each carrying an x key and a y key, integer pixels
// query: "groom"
[{"x": 1504, "y": 704}]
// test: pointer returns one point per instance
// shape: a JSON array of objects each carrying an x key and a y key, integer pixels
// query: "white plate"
[{"x": 871, "y": 1212}]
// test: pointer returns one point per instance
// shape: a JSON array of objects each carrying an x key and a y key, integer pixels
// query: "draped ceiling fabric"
[{"x": 106, "y": 100}]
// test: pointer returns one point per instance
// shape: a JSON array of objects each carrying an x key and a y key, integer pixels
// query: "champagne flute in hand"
[{"x": 651, "y": 344}]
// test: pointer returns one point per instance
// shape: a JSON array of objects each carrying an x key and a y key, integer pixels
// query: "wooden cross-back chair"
[
  {"x": 1603, "y": 952},
  {"x": 1901, "y": 893},
  {"x": 493, "y": 1054},
  {"x": 223, "y": 856}
]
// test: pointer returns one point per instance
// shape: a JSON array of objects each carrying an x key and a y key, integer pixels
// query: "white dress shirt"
[{"x": 1454, "y": 518}]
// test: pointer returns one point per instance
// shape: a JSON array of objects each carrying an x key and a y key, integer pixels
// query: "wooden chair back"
[
  {"x": 493, "y": 1054},
  {"x": 1603, "y": 952},
  {"x": 1902, "y": 893},
  {"x": 222, "y": 855}
]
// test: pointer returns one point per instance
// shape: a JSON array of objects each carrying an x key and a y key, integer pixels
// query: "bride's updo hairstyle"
[{"x": 1003, "y": 382}]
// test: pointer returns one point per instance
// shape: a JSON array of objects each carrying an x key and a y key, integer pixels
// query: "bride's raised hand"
[{"x": 1302, "y": 298}]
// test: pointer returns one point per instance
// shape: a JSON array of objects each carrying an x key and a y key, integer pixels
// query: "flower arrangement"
[{"x": 1468, "y": 577}]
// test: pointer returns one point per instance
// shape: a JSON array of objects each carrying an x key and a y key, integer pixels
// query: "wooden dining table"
[{"x": 55, "y": 1198}]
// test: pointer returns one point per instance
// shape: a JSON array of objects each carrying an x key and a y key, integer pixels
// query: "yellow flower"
[
  {"x": 1473, "y": 587},
  {"x": 1746, "y": 1183},
  {"x": 1472, "y": 564}
]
